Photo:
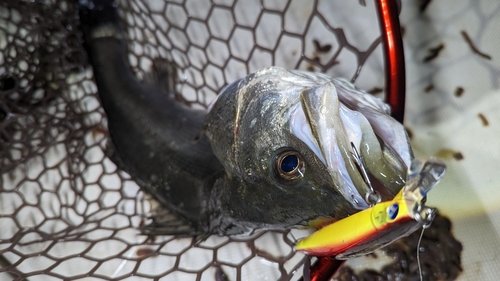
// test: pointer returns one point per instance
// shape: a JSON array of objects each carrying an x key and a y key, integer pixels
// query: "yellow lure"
[{"x": 381, "y": 224}]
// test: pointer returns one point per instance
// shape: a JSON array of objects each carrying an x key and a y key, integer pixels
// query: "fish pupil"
[
  {"x": 289, "y": 167},
  {"x": 289, "y": 163}
]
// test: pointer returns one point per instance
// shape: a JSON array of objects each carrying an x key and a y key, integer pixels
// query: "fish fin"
[
  {"x": 201, "y": 238},
  {"x": 163, "y": 75},
  {"x": 220, "y": 275},
  {"x": 167, "y": 223},
  {"x": 113, "y": 155}
]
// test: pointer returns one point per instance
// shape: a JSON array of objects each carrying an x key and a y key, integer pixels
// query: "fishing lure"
[{"x": 383, "y": 223}]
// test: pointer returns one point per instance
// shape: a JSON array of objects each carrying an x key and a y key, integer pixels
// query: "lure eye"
[
  {"x": 289, "y": 166},
  {"x": 392, "y": 211}
]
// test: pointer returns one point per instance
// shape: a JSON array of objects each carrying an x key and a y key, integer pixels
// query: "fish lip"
[
  {"x": 304, "y": 125},
  {"x": 312, "y": 133},
  {"x": 377, "y": 113},
  {"x": 305, "y": 135}
]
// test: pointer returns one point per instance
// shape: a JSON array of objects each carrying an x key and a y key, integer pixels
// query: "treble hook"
[{"x": 372, "y": 197}]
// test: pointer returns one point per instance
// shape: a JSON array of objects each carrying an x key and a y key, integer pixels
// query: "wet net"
[{"x": 66, "y": 211}]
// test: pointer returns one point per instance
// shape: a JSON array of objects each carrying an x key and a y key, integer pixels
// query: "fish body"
[{"x": 275, "y": 150}]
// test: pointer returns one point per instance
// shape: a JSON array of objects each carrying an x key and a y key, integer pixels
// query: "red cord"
[
  {"x": 393, "y": 56},
  {"x": 326, "y": 267}
]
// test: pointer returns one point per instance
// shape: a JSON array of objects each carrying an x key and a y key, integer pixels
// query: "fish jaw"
[{"x": 330, "y": 129}]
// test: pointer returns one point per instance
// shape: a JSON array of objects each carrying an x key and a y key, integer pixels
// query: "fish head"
[{"x": 286, "y": 142}]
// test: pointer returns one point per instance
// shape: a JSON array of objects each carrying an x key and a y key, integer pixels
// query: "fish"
[
  {"x": 277, "y": 149},
  {"x": 273, "y": 115}
]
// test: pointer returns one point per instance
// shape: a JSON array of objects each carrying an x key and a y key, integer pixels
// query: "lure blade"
[{"x": 381, "y": 224}]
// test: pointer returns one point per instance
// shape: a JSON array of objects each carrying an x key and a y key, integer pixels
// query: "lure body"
[
  {"x": 381, "y": 224},
  {"x": 367, "y": 227}
]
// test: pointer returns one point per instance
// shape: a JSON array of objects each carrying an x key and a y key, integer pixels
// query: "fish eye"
[{"x": 289, "y": 166}]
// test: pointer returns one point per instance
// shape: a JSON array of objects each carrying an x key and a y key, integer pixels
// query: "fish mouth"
[{"x": 358, "y": 155}]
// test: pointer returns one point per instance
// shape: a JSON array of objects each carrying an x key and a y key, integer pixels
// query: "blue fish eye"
[
  {"x": 289, "y": 166},
  {"x": 289, "y": 163},
  {"x": 392, "y": 211}
]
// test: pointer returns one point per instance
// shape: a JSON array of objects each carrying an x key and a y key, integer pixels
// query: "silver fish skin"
[{"x": 272, "y": 112}]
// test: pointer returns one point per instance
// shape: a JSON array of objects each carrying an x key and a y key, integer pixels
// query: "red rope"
[
  {"x": 393, "y": 55},
  {"x": 325, "y": 268}
]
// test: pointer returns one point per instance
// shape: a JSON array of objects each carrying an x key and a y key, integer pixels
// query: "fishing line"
[
  {"x": 431, "y": 215},
  {"x": 418, "y": 253}
]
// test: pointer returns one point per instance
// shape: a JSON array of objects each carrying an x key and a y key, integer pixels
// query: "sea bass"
[{"x": 277, "y": 149}]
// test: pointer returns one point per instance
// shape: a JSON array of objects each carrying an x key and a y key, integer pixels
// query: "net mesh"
[{"x": 67, "y": 212}]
